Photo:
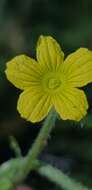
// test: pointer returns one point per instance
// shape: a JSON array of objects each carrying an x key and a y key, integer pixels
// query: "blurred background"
[{"x": 21, "y": 23}]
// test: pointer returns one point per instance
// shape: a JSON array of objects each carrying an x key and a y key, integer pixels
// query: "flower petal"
[
  {"x": 33, "y": 105},
  {"x": 71, "y": 104},
  {"x": 22, "y": 71},
  {"x": 49, "y": 52},
  {"x": 78, "y": 68}
]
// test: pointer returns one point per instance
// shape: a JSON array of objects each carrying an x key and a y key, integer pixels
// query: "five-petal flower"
[{"x": 51, "y": 81}]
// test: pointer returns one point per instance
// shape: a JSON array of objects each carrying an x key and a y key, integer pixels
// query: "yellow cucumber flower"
[{"x": 51, "y": 81}]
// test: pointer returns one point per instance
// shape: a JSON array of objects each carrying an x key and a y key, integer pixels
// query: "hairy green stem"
[
  {"x": 41, "y": 140},
  {"x": 15, "y": 146},
  {"x": 38, "y": 145},
  {"x": 58, "y": 177}
]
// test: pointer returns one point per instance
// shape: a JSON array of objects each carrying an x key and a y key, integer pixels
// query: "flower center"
[{"x": 53, "y": 83}]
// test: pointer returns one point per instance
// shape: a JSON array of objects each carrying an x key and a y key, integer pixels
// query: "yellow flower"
[{"x": 51, "y": 81}]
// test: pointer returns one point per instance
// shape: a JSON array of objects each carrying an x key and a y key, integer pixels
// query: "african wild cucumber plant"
[{"x": 50, "y": 86}]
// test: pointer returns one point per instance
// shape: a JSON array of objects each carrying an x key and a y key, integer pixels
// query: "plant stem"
[
  {"x": 58, "y": 177},
  {"x": 15, "y": 147},
  {"x": 38, "y": 145}
]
